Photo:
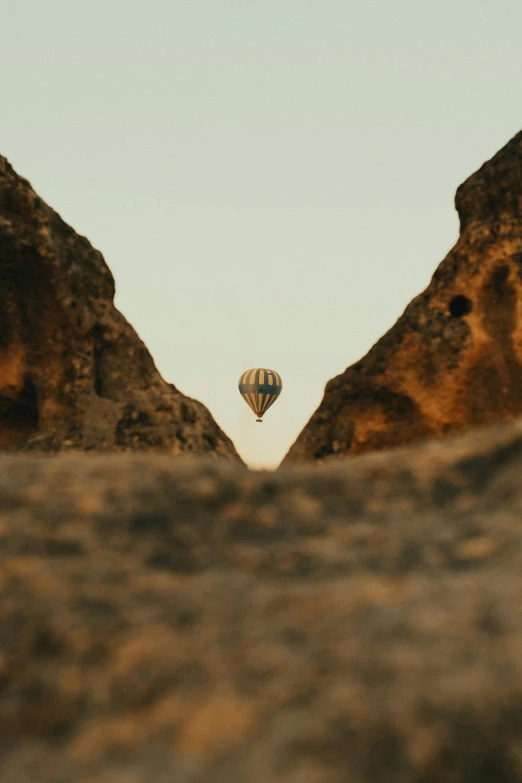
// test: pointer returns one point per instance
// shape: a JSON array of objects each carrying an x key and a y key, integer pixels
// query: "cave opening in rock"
[
  {"x": 19, "y": 416},
  {"x": 460, "y": 305}
]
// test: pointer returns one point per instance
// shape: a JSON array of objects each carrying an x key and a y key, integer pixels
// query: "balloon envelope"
[{"x": 260, "y": 388}]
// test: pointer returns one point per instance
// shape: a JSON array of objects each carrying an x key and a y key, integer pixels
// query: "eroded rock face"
[
  {"x": 187, "y": 620},
  {"x": 454, "y": 358},
  {"x": 73, "y": 373}
]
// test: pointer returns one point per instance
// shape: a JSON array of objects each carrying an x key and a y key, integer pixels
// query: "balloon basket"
[{"x": 259, "y": 421}]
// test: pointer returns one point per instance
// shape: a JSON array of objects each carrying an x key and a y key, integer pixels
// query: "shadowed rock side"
[
  {"x": 73, "y": 373},
  {"x": 181, "y": 620},
  {"x": 453, "y": 359}
]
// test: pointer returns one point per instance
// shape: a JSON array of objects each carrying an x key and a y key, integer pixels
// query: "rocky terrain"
[
  {"x": 453, "y": 360},
  {"x": 74, "y": 375},
  {"x": 188, "y": 620}
]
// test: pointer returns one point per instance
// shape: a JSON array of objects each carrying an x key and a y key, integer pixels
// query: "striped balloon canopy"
[{"x": 260, "y": 388}]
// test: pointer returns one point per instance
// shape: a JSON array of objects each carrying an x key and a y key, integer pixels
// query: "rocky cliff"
[
  {"x": 453, "y": 360},
  {"x": 73, "y": 373},
  {"x": 187, "y": 620}
]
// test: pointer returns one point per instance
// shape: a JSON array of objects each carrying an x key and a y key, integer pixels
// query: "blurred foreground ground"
[{"x": 170, "y": 620}]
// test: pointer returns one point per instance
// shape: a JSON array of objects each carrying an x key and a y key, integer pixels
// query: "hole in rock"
[
  {"x": 19, "y": 416},
  {"x": 460, "y": 305}
]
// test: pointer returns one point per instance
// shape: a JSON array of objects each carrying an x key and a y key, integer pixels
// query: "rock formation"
[
  {"x": 454, "y": 358},
  {"x": 73, "y": 373},
  {"x": 187, "y": 620}
]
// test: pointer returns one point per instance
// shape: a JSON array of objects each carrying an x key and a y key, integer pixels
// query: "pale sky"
[{"x": 270, "y": 182}]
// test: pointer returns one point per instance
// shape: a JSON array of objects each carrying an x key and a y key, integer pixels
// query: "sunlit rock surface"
[
  {"x": 187, "y": 620},
  {"x": 73, "y": 373},
  {"x": 453, "y": 360}
]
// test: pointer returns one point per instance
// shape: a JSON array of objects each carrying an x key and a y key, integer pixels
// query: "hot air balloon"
[{"x": 260, "y": 388}]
